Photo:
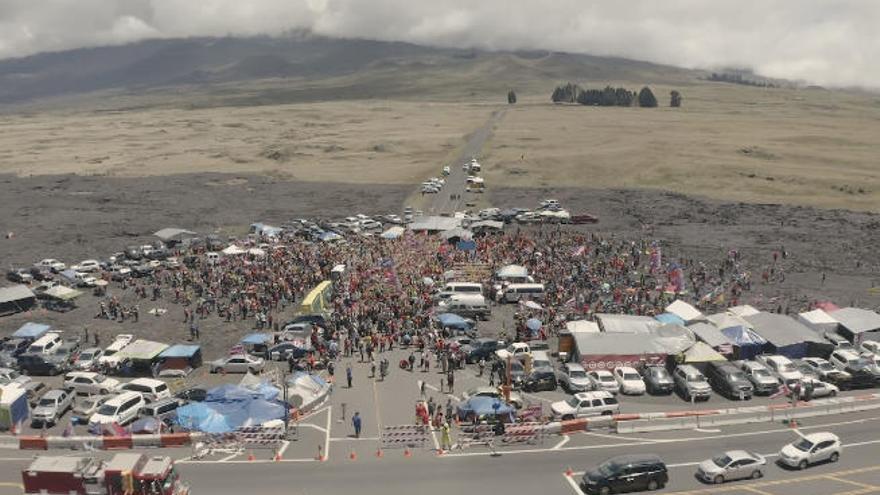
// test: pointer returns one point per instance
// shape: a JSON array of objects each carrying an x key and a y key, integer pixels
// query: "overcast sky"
[{"x": 829, "y": 42}]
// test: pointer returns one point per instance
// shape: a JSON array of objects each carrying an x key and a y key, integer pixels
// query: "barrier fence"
[{"x": 404, "y": 436}]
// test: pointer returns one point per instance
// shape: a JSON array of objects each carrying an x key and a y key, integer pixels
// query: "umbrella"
[{"x": 534, "y": 324}]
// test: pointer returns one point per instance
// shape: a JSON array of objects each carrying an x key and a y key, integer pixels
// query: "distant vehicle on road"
[
  {"x": 627, "y": 473},
  {"x": 240, "y": 363},
  {"x": 811, "y": 449}
]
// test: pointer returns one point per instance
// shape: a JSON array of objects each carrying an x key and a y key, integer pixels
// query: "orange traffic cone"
[
  {"x": 379, "y": 453},
  {"x": 353, "y": 455},
  {"x": 569, "y": 472},
  {"x": 407, "y": 453},
  {"x": 251, "y": 456},
  {"x": 440, "y": 452},
  {"x": 277, "y": 456}
]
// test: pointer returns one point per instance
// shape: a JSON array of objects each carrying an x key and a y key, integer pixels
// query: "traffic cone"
[
  {"x": 379, "y": 453},
  {"x": 277, "y": 456},
  {"x": 353, "y": 455},
  {"x": 569, "y": 472},
  {"x": 406, "y": 452},
  {"x": 320, "y": 456},
  {"x": 251, "y": 456},
  {"x": 440, "y": 452}
]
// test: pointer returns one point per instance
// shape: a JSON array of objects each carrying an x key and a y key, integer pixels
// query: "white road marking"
[
  {"x": 327, "y": 433},
  {"x": 313, "y": 413},
  {"x": 316, "y": 427},
  {"x": 704, "y": 430},
  {"x": 283, "y": 448},
  {"x": 617, "y": 437},
  {"x": 229, "y": 457},
  {"x": 349, "y": 439},
  {"x": 562, "y": 442},
  {"x": 573, "y": 483}
]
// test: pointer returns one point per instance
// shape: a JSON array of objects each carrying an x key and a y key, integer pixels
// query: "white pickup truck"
[{"x": 517, "y": 350}]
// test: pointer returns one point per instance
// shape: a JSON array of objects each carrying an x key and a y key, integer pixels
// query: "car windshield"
[
  {"x": 786, "y": 367},
  {"x": 659, "y": 373},
  {"x": 738, "y": 376},
  {"x": 760, "y": 373},
  {"x": 47, "y": 402},
  {"x": 631, "y": 377},
  {"x": 573, "y": 401},
  {"x": 85, "y": 356},
  {"x": 578, "y": 374},
  {"x": 721, "y": 460},
  {"x": 803, "y": 445},
  {"x": 696, "y": 378},
  {"x": 825, "y": 366},
  {"x": 607, "y": 469},
  {"x": 605, "y": 378},
  {"x": 107, "y": 410},
  {"x": 88, "y": 404}
]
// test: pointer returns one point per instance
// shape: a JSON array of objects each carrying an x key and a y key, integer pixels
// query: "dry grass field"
[{"x": 810, "y": 147}]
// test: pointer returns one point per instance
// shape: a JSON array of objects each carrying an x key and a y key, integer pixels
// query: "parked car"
[
  {"x": 52, "y": 264},
  {"x": 658, "y": 381},
  {"x": 871, "y": 346},
  {"x": 195, "y": 394},
  {"x": 9, "y": 375},
  {"x": 863, "y": 371},
  {"x": 85, "y": 407},
  {"x": 88, "y": 358},
  {"x": 810, "y": 449},
  {"x": 34, "y": 391},
  {"x": 573, "y": 378},
  {"x": 89, "y": 383},
  {"x": 763, "y": 381},
  {"x": 729, "y": 381},
  {"x": 540, "y": 379},
  {"x": 782, "y": 367},
  {"x": 41, "y": 273},
  {"x": 586, "y": 404},
  {"x": 87, "y": 266},
  {"x": 41, "y": 364},
  {"x": 627, "y": 473},
  {"x": 629, "y": 380},
  {"x": 150, "y": 388},
  {"x": 732, "y": 465},
  {"x": 282, "y": 351},
  {"x": 13, "y": 348},
  {"x": 516, "y": 399},
  {"x": 604, "y": 380},
  {"x": 51, "y": 407},
  {"x": 691, "y": 384},
  {"x": 161, "y": 409},
  {"x": 19, "y": 276},
  {"x": 819, "y": 389},
  {"x": 122, "y": 409},
  {"x": 67, "y": 351},
  {"x": 239, "y": 363},
  {"x": 482, "y": 348},
  {"x": 517, "y": 373}
]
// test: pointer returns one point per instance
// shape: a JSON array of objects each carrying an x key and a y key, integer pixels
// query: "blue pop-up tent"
[
  {"x": 747, "y": 344},
  {"x": 451, "y": 320},
  {"x": 228, "y": 407},
  {"x": 31, "y": 330},
  {"x": 485, "y": 406}
]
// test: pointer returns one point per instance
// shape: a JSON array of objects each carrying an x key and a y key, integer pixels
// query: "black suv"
[
  {"x": 41, "y": 364},
  {"x": 539, "y": 380},
  {"x": 483, "y": 348},
  {"x": 626, "y": 473},
  {"x": 729, "y": 381}
]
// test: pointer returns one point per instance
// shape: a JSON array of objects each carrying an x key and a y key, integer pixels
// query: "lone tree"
[
  {"x": 674, "y": 99},
  {"x": 511, "y": 97},
  {"x": 646, "y": 98}
]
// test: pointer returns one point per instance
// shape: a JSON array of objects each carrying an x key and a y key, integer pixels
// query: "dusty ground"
[
  {"x": 361, "y": 142},
  {"x": 810, "y": 147}
]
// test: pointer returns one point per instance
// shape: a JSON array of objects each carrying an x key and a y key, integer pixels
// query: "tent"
[
  {"x": 142, "y": 353},
  {"x": 31, "y": 330},
  {"x": 512, "y": 271},
  {"x": 618, "y": 323},
  {"x": 746, "y": 343},
  {"x": 480, "y": 406},
  {"x": 612, "y": 350},
  {"x": 172, "y": 235},
  {"x": 256, "y": 252},
  {"x": 256, "y": 341},
  {"x": 181, "y": 357},
  {"x": 63, "y": 293},
  {"x": 709, "y": 334},
  {"x": 16, "y": 299},
  {"x": 260, "y": 387},
  {"x": 819, "y": 321},
  {"x": 306, "y": 392},
  {"x": 456, "y": 234},
  {"x": 451, "y": 320},
  {"x": 14, "y": 408},
  {"x": 743, "y": 310},
  {"x": 433, "y": 224},
  {"x": 227, "y": 408},
  {"x": 858, "y": 325},
  {"x": 393, "y": 232},
  {"x": 670, "y": 318},
  {"x": 701, "y": 353},
  {"x": 784, "y": 334},
  {"x": 485, "y": 225},
  {"x": 233, "y": 250},
  {"x": 582, "y": 326},
  {"x": 685, "y": 311},
  {"x": 534, "y": 325}
]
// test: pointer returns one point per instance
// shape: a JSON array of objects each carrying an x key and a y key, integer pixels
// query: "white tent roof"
[
  {"x": 582, "y": 326},
  {"x": 614, "y": 323},
  {"x": 817, "y": 316},
  {"x": 392, "y": 232},
  {"x": 510, "y": 271},
  {"x": 256, "y": 252},
  {"x": 857, "y": 320},
  {"x": 435, "y": 224},
  {"x": 685, "y": 311},
  {"x": 233, "y": 250},
  {"x": 744, "y": 310}
]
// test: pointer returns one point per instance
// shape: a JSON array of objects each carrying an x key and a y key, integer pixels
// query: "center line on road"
[
  {"x": 851, "y": 482},
  {"x": 755, "y": 490}
]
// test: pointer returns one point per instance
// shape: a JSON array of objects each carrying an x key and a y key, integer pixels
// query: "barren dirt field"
[
  {"x": 810, "y": 147},
  {"x": 351, "y": 142}
]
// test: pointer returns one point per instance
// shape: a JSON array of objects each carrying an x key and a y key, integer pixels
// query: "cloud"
[{"x": 824, "y": 42}]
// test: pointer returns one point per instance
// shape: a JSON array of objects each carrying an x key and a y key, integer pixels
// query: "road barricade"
[
  {"x": 531, "y": 433},
  {"x": 404, "y": 436},
  {"x": 476, "y": 435},
  {"x": 259, "y": 437}
]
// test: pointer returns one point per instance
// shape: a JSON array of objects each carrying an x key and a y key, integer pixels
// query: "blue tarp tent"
[
  {"x": 534, "y": 325},
  {"x": 31, "y": 330},
  {"x": 199, "y": 416},
  {"x": 485, "y": 406},
  {"x": 451, "y": 320},
  {"x": 669, "y": 318},
  {"x": 232, "y": 393},
  {"x": 747, "y": 344},
  {"x": 228, "y": 407},
  {"x": 256, "y": 339}
]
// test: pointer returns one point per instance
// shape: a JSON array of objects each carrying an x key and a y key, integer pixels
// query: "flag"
[
  {"x": 579, "y": 251},
  {"x": 783, "y": 391}
]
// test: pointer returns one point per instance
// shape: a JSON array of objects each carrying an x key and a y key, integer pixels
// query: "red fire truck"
[{"x": 124, "y": 474}]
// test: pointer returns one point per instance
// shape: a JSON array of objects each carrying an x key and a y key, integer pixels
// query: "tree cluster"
[
  {"x": 739, "y": 79},
  {"x": 566, "y": 94},
  {"x": 609, "y": 96}
]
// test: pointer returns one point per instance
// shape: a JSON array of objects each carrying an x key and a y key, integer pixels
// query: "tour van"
[
  {"x": 462, "y": 288},
  {"x": 467, "y": 306},
  {"x": 523, "y": 292},
  {"x": 45, "y": 344}
]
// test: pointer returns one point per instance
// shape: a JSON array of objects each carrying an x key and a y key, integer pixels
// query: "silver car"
[
  {"x": 51, "y": 407},
  {"x": 732, "y": 465},
  {"x": 239, "y": 363},
  {"x": 573, "y": 378}
]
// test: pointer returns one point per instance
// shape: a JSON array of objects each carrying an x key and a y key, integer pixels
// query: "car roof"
[
  {"x": 636, "y": 459},
  {"x": 596, "y": 394},
  {"x": 739, "y": 454},
  {"x": 88, "y": 374},
  {"x": 601, "y": 372},
  {"x": 53, "y": 393},
  {"x": 575, "y": 366},
  {"x": 123, "y": 397},
  {"x": 820, "y": 436},
  {"x": 146, "y": 381},
  {"x": 625, "y": 369}
]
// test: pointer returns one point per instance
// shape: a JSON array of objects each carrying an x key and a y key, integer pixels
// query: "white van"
[
  {"x": 464, "y": 288},
  {"x": 117, "y": 345},
  {"x": 150, "y": 388},
  {"x": 122, "y": 409},
  {"x": 523, "y": 292},
  {"x": 45, "y": 344},
  {"x": 541, "y": 361},
  {"x": 467, "y": 306}
]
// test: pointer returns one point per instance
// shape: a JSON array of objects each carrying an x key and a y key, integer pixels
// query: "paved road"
[{"x": 456, "y": 182}]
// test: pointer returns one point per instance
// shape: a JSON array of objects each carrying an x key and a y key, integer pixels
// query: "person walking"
[
  {"x": 450, "y": 382},
  {"x": 348, "y": 375},
  {"x": 373, "y": 368},
  {"x": 356, "y": 422},
  {"x": 482, "y": 366}
]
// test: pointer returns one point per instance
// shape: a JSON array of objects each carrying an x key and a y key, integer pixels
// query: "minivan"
[
  {"x": 467, "y": 306},
  {"x": 161, "y": 409},
  {"x": 729, "y": 381},
  {"x": 150, "y": 388},
  {"x": 626, "y": 473},
  {"x": 122, "y": 409},
  {"x": 541, "y": 361},
  {"x": 452, "y": 288},
  {"x": 524, "y": 292},
  {"x": 45, "y": 344}
]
